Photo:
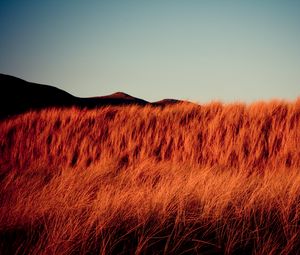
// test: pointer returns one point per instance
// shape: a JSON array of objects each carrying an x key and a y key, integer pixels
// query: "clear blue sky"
[{"x": 196, "y": 50}]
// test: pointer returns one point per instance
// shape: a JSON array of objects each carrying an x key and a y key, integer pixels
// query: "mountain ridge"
[{"x": 19, "y": 96}]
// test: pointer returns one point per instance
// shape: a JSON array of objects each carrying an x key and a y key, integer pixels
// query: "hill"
[{"x": 19, "y": 96}]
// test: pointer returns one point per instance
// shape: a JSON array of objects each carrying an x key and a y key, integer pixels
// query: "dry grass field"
[{"x": 180, "y": 179}]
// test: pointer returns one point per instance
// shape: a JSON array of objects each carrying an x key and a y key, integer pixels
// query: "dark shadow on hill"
[{"x": 18, "y": 96}]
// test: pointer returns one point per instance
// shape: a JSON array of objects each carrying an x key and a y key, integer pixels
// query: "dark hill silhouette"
[
  {"x": 165, "y": 102},
  {"x": 118, "y": 98},
  {"x": 18, "y": 96},
  {"x": 121, "y": 95}
]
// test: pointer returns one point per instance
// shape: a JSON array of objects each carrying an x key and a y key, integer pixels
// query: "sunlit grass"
[{"x": 183, "y": 179}]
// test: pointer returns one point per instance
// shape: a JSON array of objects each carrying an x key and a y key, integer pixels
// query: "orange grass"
[{"x": 183, "y": 179}]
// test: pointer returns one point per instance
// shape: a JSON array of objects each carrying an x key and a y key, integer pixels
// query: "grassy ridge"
[
  {"x": 210, "y": 179},
  {"x": 255, "y": 136}
]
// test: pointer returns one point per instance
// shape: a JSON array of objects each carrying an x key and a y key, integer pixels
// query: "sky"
[{"x": 195, "y": 50}]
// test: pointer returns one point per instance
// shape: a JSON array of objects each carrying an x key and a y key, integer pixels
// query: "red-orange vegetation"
[{"x": 184, "y": 178}]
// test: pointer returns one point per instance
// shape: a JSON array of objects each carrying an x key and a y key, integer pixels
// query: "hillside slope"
[
  {"x": 18, "y": 96},
  {"x": 181, "y": 179},
  {"x": 134, "y": 178}
]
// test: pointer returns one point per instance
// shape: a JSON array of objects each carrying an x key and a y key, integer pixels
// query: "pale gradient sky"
[{"x": 196, "y": 50}]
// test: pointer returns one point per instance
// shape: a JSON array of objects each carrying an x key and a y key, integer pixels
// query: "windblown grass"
[{"x": 210, "y": 179}]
